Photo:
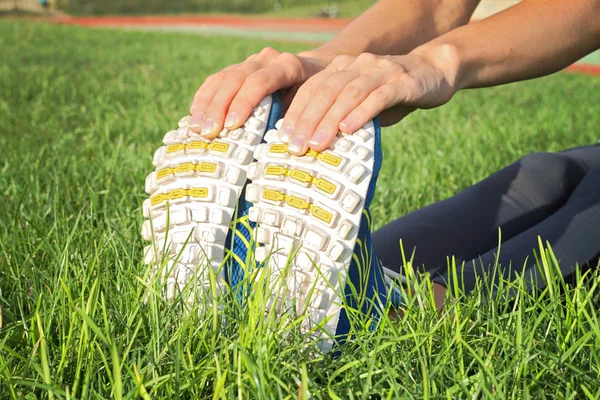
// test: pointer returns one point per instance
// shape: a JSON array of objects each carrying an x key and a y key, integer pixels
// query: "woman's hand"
[
  {"x": 227, "y": 97},
  {"x": 353, "y": 90}
]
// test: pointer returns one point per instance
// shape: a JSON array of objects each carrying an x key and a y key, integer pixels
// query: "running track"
[{"x": 307, "y": 30}]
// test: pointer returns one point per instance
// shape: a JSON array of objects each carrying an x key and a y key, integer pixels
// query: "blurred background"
[
  {"x": 202, "y": 17},
  {"x": 87, "y": 90},
  {"x": 304, "y": 8}
]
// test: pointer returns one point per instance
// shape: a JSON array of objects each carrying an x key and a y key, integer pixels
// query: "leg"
[
  {"x": 466, "y": 225},
  {"x": 573, "y": 232}
]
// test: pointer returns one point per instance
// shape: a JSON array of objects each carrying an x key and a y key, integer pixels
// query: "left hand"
[{"x": 353, "y": 90}]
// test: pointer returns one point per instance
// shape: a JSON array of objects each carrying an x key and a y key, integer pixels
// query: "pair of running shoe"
[{"x": 222, "y": 210}]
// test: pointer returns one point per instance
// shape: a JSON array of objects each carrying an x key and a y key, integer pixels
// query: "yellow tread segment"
[
  {"x": 177, "y": 194},
  {"x": 331, "y": 159},
  {"x": 215, "y": 146},
  {"x": 298, "y": 203},
  {"x": 302, "y": 176},
  {"x": 186, "y": 167}
]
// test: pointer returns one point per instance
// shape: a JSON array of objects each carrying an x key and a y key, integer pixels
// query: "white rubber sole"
[
  {"x": 193, "y": 195},
  {"x": 308, "y": 211}
]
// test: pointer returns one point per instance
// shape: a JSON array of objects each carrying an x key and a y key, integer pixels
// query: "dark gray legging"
[{"x": 552, "y": 195}]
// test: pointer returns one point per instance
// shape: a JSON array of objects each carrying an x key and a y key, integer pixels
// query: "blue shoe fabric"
[
  {"x": 239, "y": 242},
  {"x": 366, "y": 287}
]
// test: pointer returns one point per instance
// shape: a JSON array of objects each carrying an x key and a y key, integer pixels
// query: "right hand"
[{"x": 227, "y": 98}]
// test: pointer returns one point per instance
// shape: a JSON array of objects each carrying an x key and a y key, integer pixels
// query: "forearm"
[
  {"x": 531, "y": 39},
  {"x": 393, "y": 27}
]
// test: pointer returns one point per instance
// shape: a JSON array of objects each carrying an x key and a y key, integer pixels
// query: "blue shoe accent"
[
  {"x": 195, "y": 192},
  {"x": 314, "y": 224},
  {"x": 239, "y": 239},
  {"x": 312, "y": 214},
  {"x": 366, "y": 287}
]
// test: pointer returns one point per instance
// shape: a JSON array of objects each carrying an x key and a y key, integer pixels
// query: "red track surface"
[
  {"x": 283, "y": 24},
  {"x": 590, "y": 69},
  {"x": 256, "y": 23}
]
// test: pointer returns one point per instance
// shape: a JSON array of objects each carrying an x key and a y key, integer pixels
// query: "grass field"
[
  {"x": 347, "y": 9},
  {"x": 285, "y": 8},
  {"x": 81, "y": 112}
]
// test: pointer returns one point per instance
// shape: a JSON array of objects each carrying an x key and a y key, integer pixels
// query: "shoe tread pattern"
[
  {"x": 201, "y": 181},
  {"x": 308, "y": 211}
]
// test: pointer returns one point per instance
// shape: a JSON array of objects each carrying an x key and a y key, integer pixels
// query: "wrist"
[
  {"x": 447, "y": 58},
  {"x": 321, "y": 55}
]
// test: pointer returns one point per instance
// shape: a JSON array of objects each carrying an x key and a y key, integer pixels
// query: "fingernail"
[
  {"x": 346, "y": 124},
  {"x": 296, "y": 144},
  {"x": 196, "y": 121},
  {"x": 192, "y": 108},
  {"x": 231, "y": 120},
  {"x": 208, "y": 127},
  {"x": 286, "y": 132},
  {"x": 317, "y": 139}
]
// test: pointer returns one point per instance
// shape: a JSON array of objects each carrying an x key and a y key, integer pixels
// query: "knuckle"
[
  {"x": 269, "y": 52},
  {"x": 241, "y": 105},
  {"x": 216, "y": 77},
  {"x": 201, "y": 95},
  {"x": 235, "y": 76},
  {"x": 306, "y": 126},
  {"x": 358, "y": 115},
  {"x": 287, "y": 57},
  {"x": 366, "y": 57},
  {"x": 290, "y": 61},
  {"x": 341, "y": 59},
  {"x": 353, "y": 92},
  {"x": 399, "y": 68},
  {"x": 309, "y": 86},
  {"x": 329, "y": 126},
  {"x": 259, "y": 79},
  {"x": 251, "y": 57},
  {"x": 381, "y": 96},
  {"x": 387, "y": 61},
  {"x": 411, "y": 87},
  {"x": 325, "y": 89},
  {"x": 231, "y": 67}
]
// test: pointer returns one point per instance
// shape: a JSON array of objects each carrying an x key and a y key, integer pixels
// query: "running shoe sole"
[
  {"x": 308, "y": 212},
  {"x": 194, "y": 192}
]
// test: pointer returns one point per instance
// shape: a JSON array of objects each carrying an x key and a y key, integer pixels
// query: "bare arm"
[
  {"x": 389, "y": 27},
  {"x": 532, "y": 39},
  {"x": 399, "y": 26}
]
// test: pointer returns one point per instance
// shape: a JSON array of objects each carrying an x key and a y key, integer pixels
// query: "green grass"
[
  {"x": 81, "y": 112},
  {"x": 285, "y": 8},
  {"x": 347, "y": 9}
]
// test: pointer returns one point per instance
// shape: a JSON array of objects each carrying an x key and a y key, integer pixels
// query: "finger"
[
  {"x": 324, "y": 97},
  {"x": 231, "y": 83},
  {"x": 267, "y": 55},
  {"x": 299, "y": 99},
  {"x": 202, "y": 98},
  {"x": 284, "y": 71},
  {"x": 351, "y": 97},
  {"x": 298, "y": 104},
  {"x": 341, "y": 62},
  {"x": 380, "y": 99}
]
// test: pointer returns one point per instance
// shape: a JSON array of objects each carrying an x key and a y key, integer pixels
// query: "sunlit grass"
[{"x": 81, "y": 112}]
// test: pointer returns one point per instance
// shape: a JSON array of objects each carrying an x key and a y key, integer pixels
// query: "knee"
[
  {"x": 549, "y": 164},
  {"x": 552, "y": 167},
  {"x": 549, "y": 174}
]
